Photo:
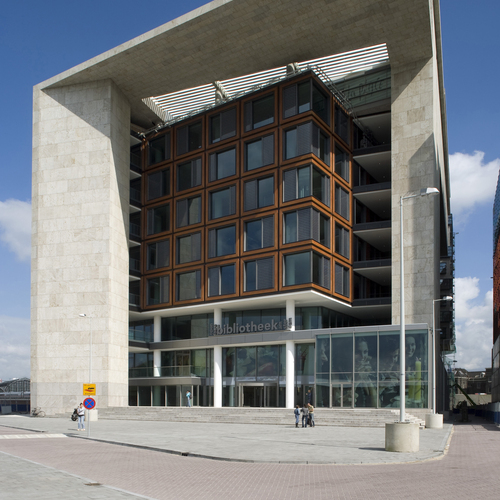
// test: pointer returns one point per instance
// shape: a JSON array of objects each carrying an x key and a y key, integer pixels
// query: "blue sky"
[{"x": 41, "y": 39}]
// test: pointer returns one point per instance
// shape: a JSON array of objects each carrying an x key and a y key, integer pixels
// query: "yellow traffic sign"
[{"x": 89, "y": 389}]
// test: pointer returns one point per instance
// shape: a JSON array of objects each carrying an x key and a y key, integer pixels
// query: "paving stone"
[{"x": 59, "y": 468}]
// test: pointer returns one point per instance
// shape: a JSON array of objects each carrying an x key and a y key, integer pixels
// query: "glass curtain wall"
[
  {"x": 254, "y": 376},
  {"x": 361, "y": 370},
  {"x": 176, "y": 365}
]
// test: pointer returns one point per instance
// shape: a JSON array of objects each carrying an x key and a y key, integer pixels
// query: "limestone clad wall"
[
  {"x": 79, "y": 244},
  {"x": 415, "y": 148}
]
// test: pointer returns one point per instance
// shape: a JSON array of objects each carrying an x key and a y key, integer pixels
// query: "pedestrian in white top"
[{"x": 80, "y": 411}]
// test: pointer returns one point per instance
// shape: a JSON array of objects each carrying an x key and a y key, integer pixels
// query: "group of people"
[{"x": 307, "y": 412}]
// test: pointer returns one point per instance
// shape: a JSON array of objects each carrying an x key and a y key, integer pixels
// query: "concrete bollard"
[
  {"x": 433, "y": 421},
  {"x": 402, "y": 437}
]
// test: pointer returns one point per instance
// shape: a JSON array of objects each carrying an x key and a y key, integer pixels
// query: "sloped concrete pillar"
[{"x": 81, "y": 144}]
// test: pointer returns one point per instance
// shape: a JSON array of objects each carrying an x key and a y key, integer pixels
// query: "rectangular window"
[
  {"x": 189, "y": 174},
  {"x": 221, "y": 241},
  {"x": 158, "y": 290},
  {"x": 159, "y": 184},
  {"x": 342, "y": 240},
  {"x": 222, "y": 203},
  {"x": 158, "y": 255},
  {"x": 342, "y": 163},
  {"x": 259, "y": 153},
  {"x": 306, "y": 267},
  {"x": 189, "y": 211},
  {"x": 259, "y": 112},
  {"x": 259, "y": 233},
  {"x": 136, "y": 158},
  {"x": 259, "y": 193},
  {"x": 134, "y": 259},
  {"x": 307, "y": 138},
  {"x": 259, "y": 274},
  {"x": 189, "y": 138},
  {"x": 188, "y": 248},
  {"x": 305, "y": 96},
  {"x": 306, "y": 181},
  {"x": 341, "y": 201},
  {"x": 158, "y": 219},
  {"x": 342, "y": 128},
  {"x": 341, "y": 280},
  {"x": 135, "y": 192},
  {"x": 188, "y": 285},
  {"x": 223, "y": 125},
  {"x": 306, "y": 224},
  {"x": 159, "y": 149},
  {"x": 221, "y": 280},
  {"x": 222, "y": 164}
]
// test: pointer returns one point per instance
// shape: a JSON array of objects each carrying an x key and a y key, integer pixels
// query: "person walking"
[
  {"x": 310, "y": 407},
  {"x": 296, "y": 412},
  {"x": 305, "y": 415},
  {"x": 188, "y": 398},
  {"x": 80, "y": 411}
]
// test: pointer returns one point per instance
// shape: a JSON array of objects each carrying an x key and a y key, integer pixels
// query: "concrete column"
[
  {"x": 157, "y": 329},
  {"x": 157, "y": 353},
  {"x": 217, "y": 376},
  {"x": 217, "y": 316},
  {"x": 80, "y": 201},
  {"x": 290, "y": 312},
  {"x": 290, "y": 373},
  {"x": 156, "y": 362}
]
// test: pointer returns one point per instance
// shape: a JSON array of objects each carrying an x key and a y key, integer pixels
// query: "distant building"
[
  {"x": 221, "y": 198},
  {"x": 495, "y": 383},
  {"x": 15, "y": 396}
]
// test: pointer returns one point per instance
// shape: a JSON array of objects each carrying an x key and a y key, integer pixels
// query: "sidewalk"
[
  {"x": 247, "y": 443},
  {"x": 52, "y": 465}
]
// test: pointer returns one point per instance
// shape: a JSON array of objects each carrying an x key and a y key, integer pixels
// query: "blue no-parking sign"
[{"x": 89, "y": 403}]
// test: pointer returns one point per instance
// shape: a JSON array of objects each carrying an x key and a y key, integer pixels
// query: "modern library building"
[{"x": 217, "y": 209}]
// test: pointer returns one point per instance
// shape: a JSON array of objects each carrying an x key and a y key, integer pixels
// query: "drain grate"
[{"x": 93, "y": 484}]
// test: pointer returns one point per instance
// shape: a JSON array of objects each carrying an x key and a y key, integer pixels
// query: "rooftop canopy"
[{"x": 225, "y": 39}]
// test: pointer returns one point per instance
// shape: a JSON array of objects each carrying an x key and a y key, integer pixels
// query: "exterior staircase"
[{"x": 342, "y": 417}]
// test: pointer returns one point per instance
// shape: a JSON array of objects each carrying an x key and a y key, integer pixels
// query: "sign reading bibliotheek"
[{"x": 89, "y": 389}]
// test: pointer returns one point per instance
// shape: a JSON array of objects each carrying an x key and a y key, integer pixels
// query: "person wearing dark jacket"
[
  {"x": 296, "y": 412},
  {"x": 305, "y": 415}
]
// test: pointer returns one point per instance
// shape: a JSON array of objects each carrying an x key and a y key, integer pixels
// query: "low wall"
[{"x": 490, "y": 411}]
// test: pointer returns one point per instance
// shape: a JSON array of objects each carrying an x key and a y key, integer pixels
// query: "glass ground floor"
[{"x": 332, "y": 369}]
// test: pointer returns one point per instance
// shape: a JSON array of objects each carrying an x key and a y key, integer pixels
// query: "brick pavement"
[{"x": 469, "y": 470}]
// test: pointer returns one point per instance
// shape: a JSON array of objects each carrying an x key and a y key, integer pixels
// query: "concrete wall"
[
  {"x": 79, "y": 244},
  {"x": 415, "y": 153}
]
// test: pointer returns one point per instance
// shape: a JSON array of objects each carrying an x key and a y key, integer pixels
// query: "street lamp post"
[
  {"x": 402, "y": 335},
  {"x": 403, "y": 436},
  {"x": 83, "y": 315},
  {"x": 444, "y": 299}
]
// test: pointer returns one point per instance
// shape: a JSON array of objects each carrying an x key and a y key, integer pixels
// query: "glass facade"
[
  {"x": 262, "y": 206},
  {"x": 361, "y": 370}
]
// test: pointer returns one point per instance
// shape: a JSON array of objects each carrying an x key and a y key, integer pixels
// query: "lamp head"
[
  {"x": 429, "y": 190},
  {"x": 83, "y": 315},
  {"x": 447, "y": 298}
]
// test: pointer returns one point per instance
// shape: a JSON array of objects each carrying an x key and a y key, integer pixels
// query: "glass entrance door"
[
  {"x": 257, "y": 395},
  {"x": 252, "y": 396}
]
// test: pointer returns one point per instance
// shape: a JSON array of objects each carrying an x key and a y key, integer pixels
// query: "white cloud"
[
  {"x": 15, "y": 227},
  {"x": 474, "y": 324},
  {"x": 14, "y": 347},
  {"x": 473, "y": 182}
]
